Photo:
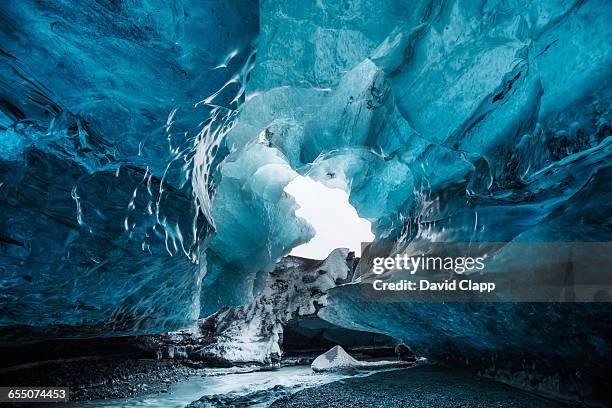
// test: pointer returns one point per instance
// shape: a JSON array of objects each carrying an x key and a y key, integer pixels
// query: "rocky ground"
[
  {"x": 104, "y": 377},
  {"x": 418, "y": 387},
  {"x": 123, "y": 367},
  {"x": 110, "y": 377}
]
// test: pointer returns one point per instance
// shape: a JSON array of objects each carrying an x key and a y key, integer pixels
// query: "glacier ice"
[
  {"x": 254, "y": 333},
  {"x": 444, "y": 128},
  {"x": 101, "y": 233},
  {"x": 337, "y": 359},
  {"x": 451, "y": 121},
  {"x": 255, "y": 225},
  {"x": 334, "y": 359}
]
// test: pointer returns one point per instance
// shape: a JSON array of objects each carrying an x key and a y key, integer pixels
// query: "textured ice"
[
  {"x": 445, "y": 129},
  {"x": 101, "y": 233},
  {"x": 452, "y": 122},
  {"x": 334, "y": 359},
  {"x": 255, "y": 225},
  {"x": 252, "y": 333},
  {"x": 337, "y": 359},
  {"x": 444, "y": 121}
]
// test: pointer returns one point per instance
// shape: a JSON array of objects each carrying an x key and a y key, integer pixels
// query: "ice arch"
[{"x": 334, "y": 219}]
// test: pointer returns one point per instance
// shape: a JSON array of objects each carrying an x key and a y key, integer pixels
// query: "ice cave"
[{"x": 189, "y": 182}]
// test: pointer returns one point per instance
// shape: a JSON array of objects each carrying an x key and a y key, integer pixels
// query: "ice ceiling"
[{"x": 145, "y": 151}]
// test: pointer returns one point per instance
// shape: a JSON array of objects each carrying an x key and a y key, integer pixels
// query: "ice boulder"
[{"x": 337, "y": 359}]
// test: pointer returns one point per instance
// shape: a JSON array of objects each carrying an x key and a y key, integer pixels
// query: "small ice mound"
[{"x": 336, "y": 359}]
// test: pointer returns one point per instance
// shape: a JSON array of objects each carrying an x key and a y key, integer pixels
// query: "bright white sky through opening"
[{"x": 335, "y": 221}]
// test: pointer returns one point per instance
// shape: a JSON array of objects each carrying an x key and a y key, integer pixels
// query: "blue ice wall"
[
  {"x": 445, "y": 121},
  {"x": 453, "y": 121},
  {"x": 101, "y": 231},
  {"x": 468, "y": 98},
  {"x": 448, "y": 122}
]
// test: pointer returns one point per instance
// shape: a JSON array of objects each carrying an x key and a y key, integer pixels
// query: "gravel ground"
[
  {"x": 425, "y": 387},
  {"x": 98, "y": 378}
]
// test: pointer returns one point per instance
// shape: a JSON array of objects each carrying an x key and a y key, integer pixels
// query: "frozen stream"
[{"x": 252, "y": 389}]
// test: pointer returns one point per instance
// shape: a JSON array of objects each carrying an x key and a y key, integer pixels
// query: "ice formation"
[
  {"x": 444, "y": 121},
  {"x": 337, "y": 359},
  {"x": 101, "y": 233},
  {"x": 451, "y": 122},
  {"x": 253, "y": 333}
]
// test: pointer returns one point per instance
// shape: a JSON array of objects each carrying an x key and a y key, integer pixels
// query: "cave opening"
[{"x": 335, "y": 221}]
